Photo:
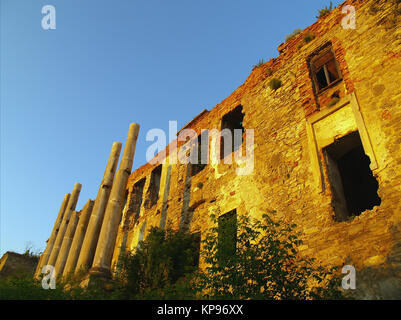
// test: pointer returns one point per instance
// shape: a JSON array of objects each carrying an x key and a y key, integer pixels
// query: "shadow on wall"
[
  {"x": 383, "y": 281},
  {"x": 166, "y": 194},
  {"x": 186, "y": 214}
]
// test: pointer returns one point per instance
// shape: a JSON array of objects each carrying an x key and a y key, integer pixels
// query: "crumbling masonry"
[{"x": 327, "y": 157}]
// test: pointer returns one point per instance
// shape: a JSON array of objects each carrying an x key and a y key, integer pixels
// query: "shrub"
[
  {"x": 275, "y": 83},
  {"x": 308, "y": 37},
  {"x": 293, "y": 34},
  {"x": 158, "y": 268},
  {"x": 325, "y": 10},
  {"x": 30, "y": 253},
  {"x": 266, "y": 265},
  {"x": 23, "y": 286}
]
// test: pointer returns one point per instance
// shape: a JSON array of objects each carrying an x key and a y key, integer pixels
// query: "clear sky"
[{"x": 67, "y": 94}]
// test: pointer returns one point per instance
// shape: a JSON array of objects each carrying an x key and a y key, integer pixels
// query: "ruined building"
[
  {"x": 12, "y": 263},
  {"x": 326, "y": 155}
]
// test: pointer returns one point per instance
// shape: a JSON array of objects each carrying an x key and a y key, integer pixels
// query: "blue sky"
[{"x": 67, "y": 94}]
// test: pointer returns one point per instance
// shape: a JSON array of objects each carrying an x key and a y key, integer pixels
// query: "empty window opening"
[
  {"x": 227, "y": 236},
  {"x": 353, "y": 185},
  {"x": 137, "y": 192},
  {"x": 201, "y": 154},
  {"x": 154, "y": 186},
  {"x": 231, "y": 121},
  {"x": 324, "y": 69}
]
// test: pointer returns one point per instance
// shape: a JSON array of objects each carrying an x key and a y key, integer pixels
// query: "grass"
[
  {"x": 325, "y": 10},
  {"x": 309, "y": 36},
  {"x": 260, "y": 62},
  {"x": 293, "y": 34},
  {"x": 31, "y": 255}
]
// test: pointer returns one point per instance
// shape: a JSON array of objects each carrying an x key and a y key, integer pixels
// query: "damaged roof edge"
[
  {"x": 205, "y": 111},
  {"x": 259, "y": 74}
]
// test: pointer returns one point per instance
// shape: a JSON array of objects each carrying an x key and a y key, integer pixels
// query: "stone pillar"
[
  {"x": 45, "y": 255},
  {"x": 72, "y": 202},
  {"x": 66, "y": 245},
  {"x": 88, "y": 248},
  {"x": 78, "y": 238},
  {"x": 112, "y": 217}
]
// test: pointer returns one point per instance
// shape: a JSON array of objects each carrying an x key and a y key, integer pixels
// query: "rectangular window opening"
[
  {"x": 227, "y": 236},
  {"x": 201, "y": 163},
  {"x": 137, "y": 196},
  {"x": 324, "y": 69},
  {"x": 232, "y": 121},
  {"x": 352, "y": 183},
  {"x": 154, "y": 186}
]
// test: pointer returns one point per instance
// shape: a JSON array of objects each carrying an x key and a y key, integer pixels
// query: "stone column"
[
  {"x": 78, "y": 238},
  {"x": 66, "y": 245},
  {"x": 88, "y": 248},
  {"x": 112, "y": 217},
  {"x": 45, "y": 255},
  {"x": 72, "y": 202}
]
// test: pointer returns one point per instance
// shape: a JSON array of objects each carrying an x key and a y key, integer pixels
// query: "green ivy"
[
  {"x": 157, "y": 267},
  {"x": 266, "y": 265}
]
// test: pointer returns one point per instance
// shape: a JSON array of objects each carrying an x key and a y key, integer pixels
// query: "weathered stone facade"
[
  {"x": 292, "y": 125},
  {"x": 12, "y": 263},
  {"x": 301, "y": 132}
]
